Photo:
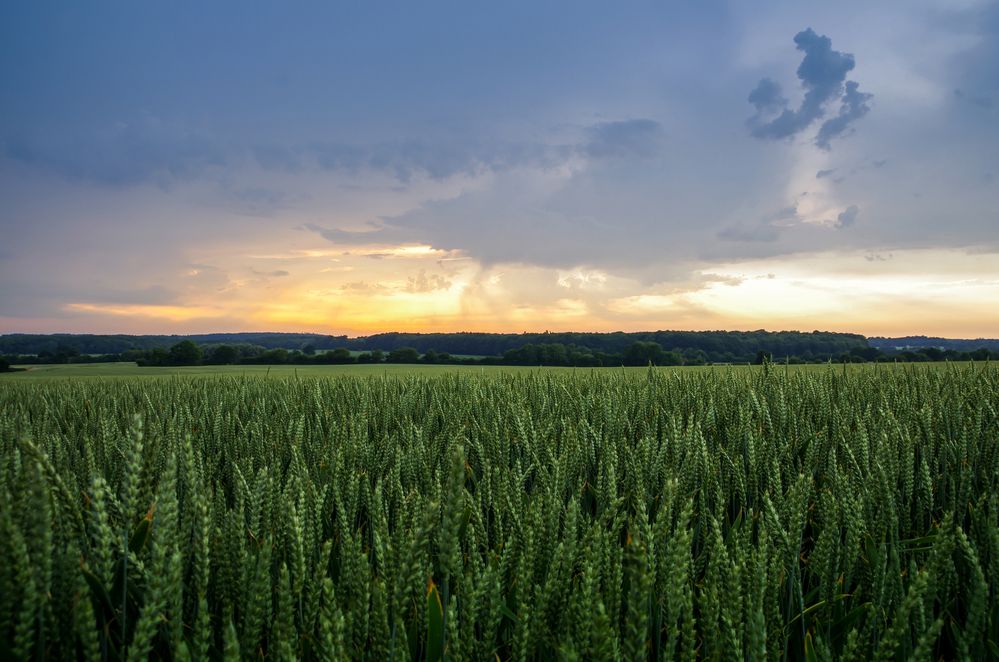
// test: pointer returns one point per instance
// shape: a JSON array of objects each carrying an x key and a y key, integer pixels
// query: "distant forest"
[{"x": 558, "y": 349}]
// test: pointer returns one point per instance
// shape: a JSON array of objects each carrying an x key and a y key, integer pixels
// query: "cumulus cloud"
[
  {"x": 822, "y": 73},
  {"x": 767, "y": 97}
]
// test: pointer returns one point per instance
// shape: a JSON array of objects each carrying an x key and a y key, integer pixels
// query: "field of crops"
[
  {"x": 62, "y": 371},
  {"x": 654, "y": 514}
]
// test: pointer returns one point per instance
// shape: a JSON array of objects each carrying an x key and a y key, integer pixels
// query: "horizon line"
[{"x": 498, "y": 333}]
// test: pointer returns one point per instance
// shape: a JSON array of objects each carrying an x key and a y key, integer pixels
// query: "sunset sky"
[{"x": 355, "y": 167}]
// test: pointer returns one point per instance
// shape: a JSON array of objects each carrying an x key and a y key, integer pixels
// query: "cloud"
[
  {"x": 750, "y": 233},
  {"x": 767, "y": 229},
  {"x": 423, "y": 283},
  {"x": 630, "y": 138},
  {"x": 139, "y": 151},
  {"x": 767, "y": 97},
  {"x": 148, "y": 150},
  {"x": 153, "y": 295},
  {"x": 277, "y": 273},
  {"x": 48, "y": 298},
  {"x": 257, "y": 200},
  {"x": 854, "y": 107},
  {"x": 822, "y": 73},
  {"x": 821, "y": 174},
  {"x": 981, "y": 101},
  {"x": 352, "y": 237},
  {"x": 847, "y": 217},
  {"x": 976, "y": 76},
  {"x": 878, "y": 257},
  {"x": 437, "y": 160},
  {"x": 362, "y": 286}
]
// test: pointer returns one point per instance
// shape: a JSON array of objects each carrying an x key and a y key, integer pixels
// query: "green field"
[
  {"x": 128, "y": 369},
  {"x": 429, "y": 512},
  {"x": 131, "y": 370}
]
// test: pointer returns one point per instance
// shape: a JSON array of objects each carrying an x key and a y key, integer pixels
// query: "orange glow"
[{"x": 419, "y": 290}]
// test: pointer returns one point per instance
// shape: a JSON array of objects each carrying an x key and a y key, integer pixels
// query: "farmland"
[
  {"x": 127, "y": 369},
  {"x": 433, "y": 512}
]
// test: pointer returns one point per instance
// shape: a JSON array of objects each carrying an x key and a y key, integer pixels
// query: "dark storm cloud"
[{"x": 822, "y": 73}]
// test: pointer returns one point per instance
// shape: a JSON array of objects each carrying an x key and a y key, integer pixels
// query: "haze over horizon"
[{"x": 351, "y": 169}]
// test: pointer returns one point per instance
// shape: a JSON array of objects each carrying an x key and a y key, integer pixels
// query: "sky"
[{"x": 351, "y": 168}]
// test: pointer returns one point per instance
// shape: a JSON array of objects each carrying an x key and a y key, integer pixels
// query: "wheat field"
[{"x": 657, "y": 514}]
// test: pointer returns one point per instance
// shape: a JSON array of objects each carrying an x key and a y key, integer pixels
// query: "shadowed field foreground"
[{"x": 719, "y": 515}]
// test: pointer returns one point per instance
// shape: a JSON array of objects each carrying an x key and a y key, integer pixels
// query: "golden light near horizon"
[
  {"x": 410, "y": 288},
  {"x": 873, "y": 294}
]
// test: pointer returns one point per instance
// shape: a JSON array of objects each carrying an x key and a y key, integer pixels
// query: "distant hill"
[
  {"x": 715, "y": 345},
  {"x": 922, "y": 342}
]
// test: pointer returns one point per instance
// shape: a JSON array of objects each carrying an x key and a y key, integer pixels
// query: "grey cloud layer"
[
  {"x": 140, "y": 151},
  {"x": 148, "y": 152},
  {"x": 822, "y": 73}
]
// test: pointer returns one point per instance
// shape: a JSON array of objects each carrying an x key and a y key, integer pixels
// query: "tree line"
[
  {"x": 638, "y": 353},
  {"x": 717, "y": 346}
]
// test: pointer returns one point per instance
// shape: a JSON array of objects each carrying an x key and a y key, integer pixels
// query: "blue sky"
[{"x": 354, "y": 167}]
